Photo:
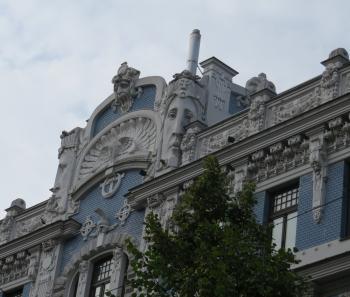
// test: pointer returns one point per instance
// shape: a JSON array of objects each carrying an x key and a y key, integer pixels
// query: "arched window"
[
  {"x": 101, "y": 277},
  {"x": 101, "y": 274}
]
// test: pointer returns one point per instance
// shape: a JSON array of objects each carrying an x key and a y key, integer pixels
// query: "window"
[
  {"x": 16, "y": 293},
  {"x": 284, "y": 216},
  {"x": 101, "y": 277}
]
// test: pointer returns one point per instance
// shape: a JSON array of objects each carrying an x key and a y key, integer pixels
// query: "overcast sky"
[{"x": 57, "y": 59}]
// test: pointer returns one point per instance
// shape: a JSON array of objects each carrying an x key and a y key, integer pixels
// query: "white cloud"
[{"x": 57, "y": 59}]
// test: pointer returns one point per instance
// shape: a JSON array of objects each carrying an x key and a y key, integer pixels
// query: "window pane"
[
  {"x": 106, "y": 290},
  {"x": 277, "y": 232},
  {"x": 97, "y": 292},
  {"x": 291, "y": 230},
  {"x": 285, "y": 199}
]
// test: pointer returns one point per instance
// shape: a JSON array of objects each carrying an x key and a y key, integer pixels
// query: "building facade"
[{"x": 144, "y": 144}]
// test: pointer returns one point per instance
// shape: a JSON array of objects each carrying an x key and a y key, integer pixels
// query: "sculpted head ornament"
[{"x": 124, "y": 87}]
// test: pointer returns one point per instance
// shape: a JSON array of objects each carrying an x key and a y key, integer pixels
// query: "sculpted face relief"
[{"x": 181, "y": 112}]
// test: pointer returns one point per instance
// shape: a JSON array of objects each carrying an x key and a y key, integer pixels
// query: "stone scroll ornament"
[
  {"x": 124, "y": 88},
  {"x": 318, "y": 161}
]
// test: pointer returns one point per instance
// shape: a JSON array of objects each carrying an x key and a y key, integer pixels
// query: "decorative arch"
[{"x": 81, "y": 260}]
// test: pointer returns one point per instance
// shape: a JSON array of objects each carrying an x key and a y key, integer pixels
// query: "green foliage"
[{"x": 214, "y": 248}]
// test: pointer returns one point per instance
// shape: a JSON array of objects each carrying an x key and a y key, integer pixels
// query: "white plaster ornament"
[
  {"x": 111, "y": 185},
  {"x": 124, "y": 212}
]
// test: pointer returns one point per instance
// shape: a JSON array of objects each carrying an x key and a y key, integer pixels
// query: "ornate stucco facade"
[{"x": 143, "y": 145}]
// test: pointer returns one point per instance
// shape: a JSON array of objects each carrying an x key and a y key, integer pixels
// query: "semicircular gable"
[{"x": 131, "y": 137}]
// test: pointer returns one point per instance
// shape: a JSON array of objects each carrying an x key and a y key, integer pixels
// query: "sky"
[{"x": 57, "y": 59}]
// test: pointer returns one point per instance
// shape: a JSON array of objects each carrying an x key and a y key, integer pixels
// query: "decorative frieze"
[
  {"x": 14, "y": 267},
  {"x": 278, "y": 158},
  {"x": 285, "y": 111},
  {"x": 26, "y": 226},
  {"x": 337, "y": 134}
]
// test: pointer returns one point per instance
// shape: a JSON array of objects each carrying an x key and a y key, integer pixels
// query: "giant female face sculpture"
[
  {"x": 180, "y": 113},
  {"x": 181, "y": 107}
]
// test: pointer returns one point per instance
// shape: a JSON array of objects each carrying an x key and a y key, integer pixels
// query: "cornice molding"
[
  {"x": 59, "y": 229},
  {"x": 299, "y": 124}
]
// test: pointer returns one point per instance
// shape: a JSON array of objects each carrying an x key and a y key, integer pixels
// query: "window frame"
[
  {"x": 285, "y": 212},
  {"x": 94, "y": 284}
]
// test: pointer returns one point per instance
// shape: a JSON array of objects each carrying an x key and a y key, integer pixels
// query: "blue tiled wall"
[
  {"x": 261, "y": 208},
  {"x": 26, "y": 289},
  {"x": 93, "y": 200},
  {"x": 233, "y": 106},
  {"x": 309, "y": 233},
  {"x": 107, "y": 116}
]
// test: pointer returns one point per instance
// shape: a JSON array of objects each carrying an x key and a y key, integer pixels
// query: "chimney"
[{"x": 193, "y": 51}]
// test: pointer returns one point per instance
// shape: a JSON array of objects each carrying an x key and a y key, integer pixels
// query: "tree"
[{"x": 214, "y": 247}]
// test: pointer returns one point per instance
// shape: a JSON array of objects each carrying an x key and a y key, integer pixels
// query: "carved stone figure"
[
  {"x": 5, "y": 229},
  {"x": 256, "y": 114},
  {"x": 183, "y": 104},
  {"x": 83, "y": 277},
  {"x": 8, "y": 223},
  {"x": 330, "y": 81},
  {"x": 318, "y": 162},
  {"x": 124, "y": 87},
  {"x": 256, "y": 84}
]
